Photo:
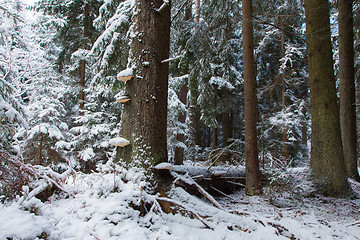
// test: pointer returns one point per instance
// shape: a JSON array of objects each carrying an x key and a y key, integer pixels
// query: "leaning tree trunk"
[
  {"x": 347, "y": 88},
  {"x": 144, "y": 117},
  {"x": 253, "y": 181},
  {"x": 327, "y": 160}
]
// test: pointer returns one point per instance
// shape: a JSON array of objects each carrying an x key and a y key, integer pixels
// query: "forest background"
[
  {"x": 51, "y": 116},
  {"x": 59, "y": 89}
]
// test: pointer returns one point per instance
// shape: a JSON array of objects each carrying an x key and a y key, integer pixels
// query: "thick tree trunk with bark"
[
  {"x": 347, "y": 88},
  {"x": 144, "y": 117},
  {"x": 327, "y": 160},
  {"x": 253, "y": 181}
]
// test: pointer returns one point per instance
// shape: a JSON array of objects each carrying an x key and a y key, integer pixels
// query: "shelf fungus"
[
  {"x": 125, "y": 75},
  {"x": 120, "y": 142},
  {"x": 164, "y": 166},
  {"x": 123, "y": 99}
]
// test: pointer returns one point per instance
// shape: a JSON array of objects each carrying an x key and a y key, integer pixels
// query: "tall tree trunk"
[
  {"x": 227, "y": 123},
  {"x": 214, "y": 137},
  {"x": 193, "y": 114},
  {"x": 179, "y": 151},
  {"x": 347, "y": 88},
  {"x": 197, "y": 11},
  {"x": 144, "y": 117},
  {"x": 283, "y": 92},
  {"x": 83, "y": 62},
  {"x": 227, "y": 127},
  {"x": 40, "y": 149},
  {"x": 82, "y": 84},
  {"x": 253, "y": 183},
  {"x": 304, "y": 133},
  {"x": 327, "y": 159}
]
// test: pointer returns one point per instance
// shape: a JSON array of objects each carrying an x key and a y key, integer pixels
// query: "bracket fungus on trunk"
[
  {"x": 125, "y": 75},
  {"x": 120, "y": 142},
  {"x": 123, "y": 99}
]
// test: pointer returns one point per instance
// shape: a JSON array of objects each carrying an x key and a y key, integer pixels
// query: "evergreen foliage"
[
  {"x": 43, "y": 90},
  {"x": 271, "y": 18},
  {"x": 42, "y": 54},
  {"x": 14, "y": 55}
]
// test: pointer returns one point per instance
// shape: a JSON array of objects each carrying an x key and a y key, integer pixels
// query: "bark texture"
[
  {"x": 144, "y": 117},
  {"x": 347, "y": 88},
  {"x": 253, "y": 181},
  {"x": 327, "y": 160}
]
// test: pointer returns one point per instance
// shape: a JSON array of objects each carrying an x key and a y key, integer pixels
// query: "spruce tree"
[
  {"x": 327, "y": 159},
  {"x": 253, "y": 182},
  {"x": 13, "y": 50},
  {"x": 347, "y": 88},
  {"x": 144, "y": 117}
]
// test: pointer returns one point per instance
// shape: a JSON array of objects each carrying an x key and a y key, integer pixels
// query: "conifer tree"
[
  {"x": 13, "y": 49},
  {"x": 76, "y": 34},
  {"x": 253, "y": 182},
  {"x": 283, "y": 82},
  {"x": 327, "y": 159},
  {"x": 144, "y": 117},
  {"x": 347, "y": 88}
]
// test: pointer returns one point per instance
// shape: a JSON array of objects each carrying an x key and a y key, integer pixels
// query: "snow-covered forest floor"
[{"x": 101, "y": 206}]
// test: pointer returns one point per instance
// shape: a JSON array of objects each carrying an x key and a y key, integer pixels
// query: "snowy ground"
[{"x": 100, "y": 208}]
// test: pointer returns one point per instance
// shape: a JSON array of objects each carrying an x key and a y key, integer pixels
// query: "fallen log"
[
  {"x": 226, "y": 179},
  {"x": 208, "y": 178}
]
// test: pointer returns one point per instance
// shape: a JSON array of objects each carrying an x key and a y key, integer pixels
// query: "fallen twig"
[
  {"x": 190, "y": 182},
  {"x": 222, "y": 193},
  {"x": 353, "y": 224}
]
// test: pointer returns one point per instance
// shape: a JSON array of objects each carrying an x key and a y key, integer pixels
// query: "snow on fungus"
[
  {"x": 125, "y": 75},
  {"x": 121, "y": 142},
  {"x": 123, "y": 99},
  {"x": 164, "y": 166}
]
